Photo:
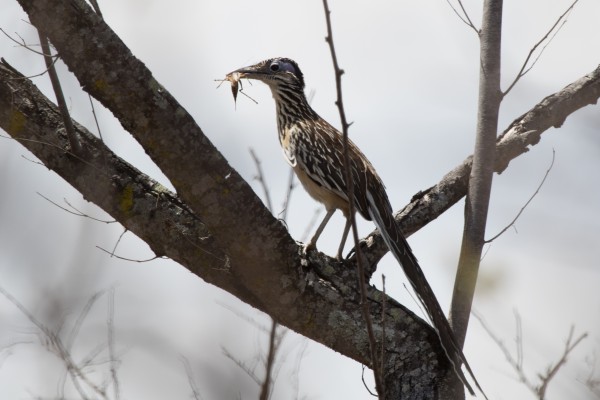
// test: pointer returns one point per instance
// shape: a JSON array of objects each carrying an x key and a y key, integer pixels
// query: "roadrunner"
[{"x": 314, "y": 149}]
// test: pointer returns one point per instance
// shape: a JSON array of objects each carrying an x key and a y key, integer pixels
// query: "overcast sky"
[{"x": 410, "y": 88}]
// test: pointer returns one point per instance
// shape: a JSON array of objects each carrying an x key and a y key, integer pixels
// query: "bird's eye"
[{"x": 274, "y": 67}]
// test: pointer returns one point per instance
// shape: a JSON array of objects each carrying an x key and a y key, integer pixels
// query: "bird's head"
[{"x": 275, "y": 72}]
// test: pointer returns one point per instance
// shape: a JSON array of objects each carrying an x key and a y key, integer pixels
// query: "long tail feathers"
[{"x": 380, "y": 211}]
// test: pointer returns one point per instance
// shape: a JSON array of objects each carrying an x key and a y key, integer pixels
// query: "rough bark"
[
  {"x": 216, "y": 226},
  {"x": 315, "y": 296}
]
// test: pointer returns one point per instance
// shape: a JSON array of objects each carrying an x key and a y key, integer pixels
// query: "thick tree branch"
[
  {"x": 229, "y": 239},
  {"x": 322, "y": 304},
  {"x": 523, "y": 132}
]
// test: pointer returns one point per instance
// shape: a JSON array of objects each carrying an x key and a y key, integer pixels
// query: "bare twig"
[
  {"x": 288, "y": 195},
  {"x": 553, "y": 369},
  {"x": 517, "y": 362},
  {"x": 75, "y": 372},
  {"x": 512, "y": 223},
  {"x": 248, "y": 370},
  {"x": 276, "y": 335},
  {"x": 31, "y": 160},
  {"x": 539, "y": 388},
  {"x": 261, "y": 179},
  {"x": 6, "y": 350},
  {"x": 379, "y": 381},
  {"x": 362, "y": 377},
  {"x": 27, "y": 46},
  {"x": 518, "y": 338},
  {"x": 592, "y": 382},
  {"x": 190, "y": 375},
  {"x": 112, "y": 254},
  {"x": 415, "y": 301},
  {"x": 118, "y": 241},
  {"x": 296, "y": 369},
  {"x": 90, "y": 359},
  {"x": 524, "y": 68},
  {"x": 60, "y": 98},
  {"x": 95, "y": 117},
  {"x": 81, "y": 159},
  {"x": 464, "y": 17},
  {"x": 110, "y": 325},
  {"x": 80, "y": 318},
  {"x": 55, "y": 59},
  {"x": 76, "y": 212},
  {"x": 267, "y": 384}
]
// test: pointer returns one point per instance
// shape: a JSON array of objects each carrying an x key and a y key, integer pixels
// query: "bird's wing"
[{"x": 323, "y": 162}]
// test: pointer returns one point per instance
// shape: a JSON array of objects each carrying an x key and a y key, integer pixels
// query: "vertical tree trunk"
[{"x": 480, "y": 181}]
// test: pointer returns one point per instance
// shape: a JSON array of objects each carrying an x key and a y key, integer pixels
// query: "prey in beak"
[
  {"x": 235, "y": 78},
  {"x": 274, "y": 72}
]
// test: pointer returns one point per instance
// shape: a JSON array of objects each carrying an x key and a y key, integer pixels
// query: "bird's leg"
[
  {"x": 344, "y": 237},
  {"x": 312, "y": 243}
]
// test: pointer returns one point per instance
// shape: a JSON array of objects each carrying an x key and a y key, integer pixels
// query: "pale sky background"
[{"x": 410, "y": 88}]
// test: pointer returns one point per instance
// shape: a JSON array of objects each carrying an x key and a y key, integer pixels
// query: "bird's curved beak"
[{"x": 250, "y": 72}]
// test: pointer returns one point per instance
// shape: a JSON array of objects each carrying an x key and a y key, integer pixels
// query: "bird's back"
[{"x": 316, "y": 150}]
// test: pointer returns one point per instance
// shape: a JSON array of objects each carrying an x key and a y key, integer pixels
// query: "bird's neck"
[{"x": 292, "y": 107}]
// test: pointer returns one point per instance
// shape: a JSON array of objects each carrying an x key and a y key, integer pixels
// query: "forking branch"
[
  {"x": 516, "y": 361},
  {"x": 464, "y": 17},
  {"x": 525, "y": 68}
]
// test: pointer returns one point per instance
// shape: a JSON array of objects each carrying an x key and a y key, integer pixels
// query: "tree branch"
[
  {"x": 322, "y": 304},
  {"x": 229, "y": 239},
  {"x": 535, "y": 193},
  {"x": 516, "y": 139},
  {"x": 480, "y": 180},
  {"x": 464, "y": 17},
  {"x": 360, "y": 270},
  {"x": 525, "y": 68},
  {"x": 516, "y": 362}
]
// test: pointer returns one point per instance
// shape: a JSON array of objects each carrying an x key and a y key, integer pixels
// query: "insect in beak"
[{"x": 236, "y": 84}]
